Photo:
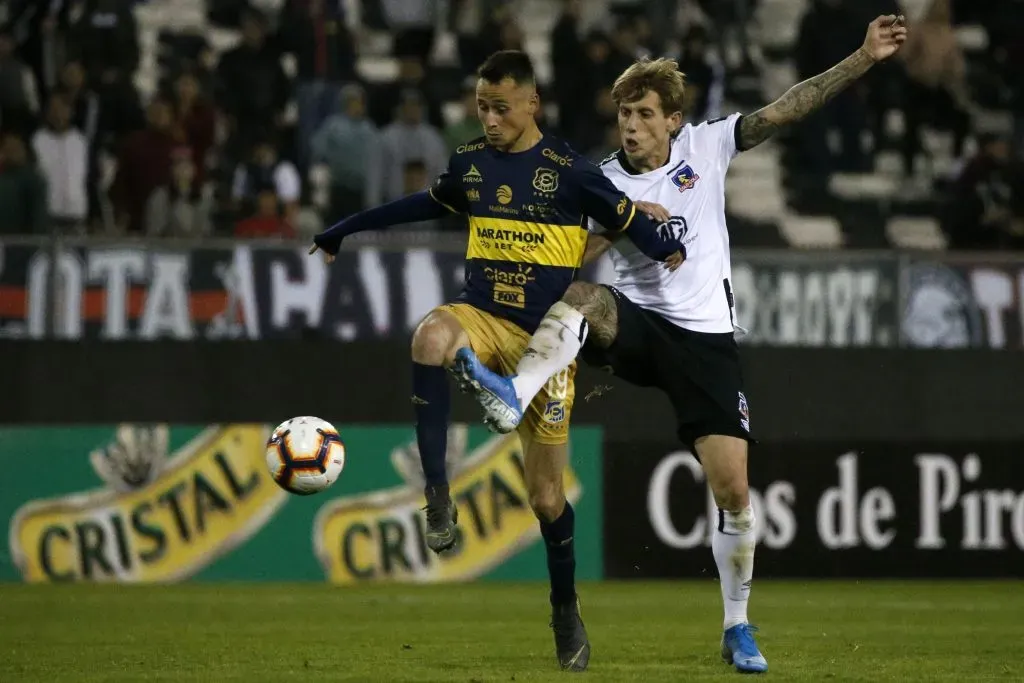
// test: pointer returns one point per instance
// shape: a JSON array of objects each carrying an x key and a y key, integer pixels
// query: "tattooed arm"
[{"x": 884, "y": 37}]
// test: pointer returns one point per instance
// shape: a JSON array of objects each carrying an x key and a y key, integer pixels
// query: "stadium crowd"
[{"x": 283, "y": 130}]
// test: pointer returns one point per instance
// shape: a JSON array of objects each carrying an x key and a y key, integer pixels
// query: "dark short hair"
[{"x": 514, "y": 64}]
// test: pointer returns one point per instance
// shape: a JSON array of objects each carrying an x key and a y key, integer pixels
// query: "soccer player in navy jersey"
[{"x": 528, "y": 198}]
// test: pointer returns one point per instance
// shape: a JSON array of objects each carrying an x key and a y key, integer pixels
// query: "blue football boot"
[
  {"x": 495, "y": 393},
  {"x": 740, "y": 650}
]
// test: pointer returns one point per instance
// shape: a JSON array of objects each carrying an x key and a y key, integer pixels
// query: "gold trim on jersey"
[
  {"x": 546, "y": 244},
  {"x": 629, "y": 221},
  {"x": 434, "y": 197}
]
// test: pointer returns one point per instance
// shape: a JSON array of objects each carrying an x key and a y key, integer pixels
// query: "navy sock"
[
  {"x": 431, "y": 400},
  {"x": 558, "y": 541}
]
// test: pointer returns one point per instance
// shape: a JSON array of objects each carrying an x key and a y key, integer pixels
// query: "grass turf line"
[{"x": 810, "y": 631}]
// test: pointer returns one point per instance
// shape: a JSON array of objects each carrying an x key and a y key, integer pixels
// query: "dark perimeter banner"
[
  {"x": 149, "y": 291},
  {"x": 828, "y": 510}
]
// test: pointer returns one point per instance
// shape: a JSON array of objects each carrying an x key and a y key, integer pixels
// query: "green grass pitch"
[{"x": 810, "y": 631}]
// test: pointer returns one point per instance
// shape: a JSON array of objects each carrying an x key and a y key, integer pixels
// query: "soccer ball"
[{"x": 305, "y": 455}]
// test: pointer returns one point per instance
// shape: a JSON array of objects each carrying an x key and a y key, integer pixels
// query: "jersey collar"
[{"x": 631, "y": 170}]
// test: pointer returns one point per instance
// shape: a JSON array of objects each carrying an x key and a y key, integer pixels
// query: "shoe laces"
[
  {"x": 436, "y": 514},
  {"x": 564, "y": 622},
  {"x": 745, "y": 638}
]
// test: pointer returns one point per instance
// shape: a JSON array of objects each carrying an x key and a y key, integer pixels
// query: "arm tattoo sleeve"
[{"x": 802, "y": 99}]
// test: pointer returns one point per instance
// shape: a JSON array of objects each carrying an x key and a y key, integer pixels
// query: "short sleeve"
[
  {"x": 447, "y": 191},
  {"x": 717, "y": 139},
  {"x": 601, "y": 200}
]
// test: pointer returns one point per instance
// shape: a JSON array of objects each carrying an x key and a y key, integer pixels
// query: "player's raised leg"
[
  {"x": 433, "y": 345},
  {"x": 544, "y": 466},
  {"x": 724, "y": 459},
  {"x": 585, "y": 309}
]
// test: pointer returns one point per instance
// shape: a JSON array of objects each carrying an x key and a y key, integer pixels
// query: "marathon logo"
[{"x": 510, "y": 235}]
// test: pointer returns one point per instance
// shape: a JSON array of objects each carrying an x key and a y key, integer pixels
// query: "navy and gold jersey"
[{"x": 528, "y": 214}]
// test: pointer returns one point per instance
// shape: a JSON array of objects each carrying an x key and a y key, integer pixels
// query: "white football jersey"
[{"x": 698, "y": 295}]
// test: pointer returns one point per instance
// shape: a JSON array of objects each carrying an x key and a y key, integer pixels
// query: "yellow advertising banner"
[
  {"x": 198, "y": 503},
  {"x": 380, "y": 536}
]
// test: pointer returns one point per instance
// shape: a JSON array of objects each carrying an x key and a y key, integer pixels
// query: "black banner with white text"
[
  {"x": 830, "y": 510},
  {"x": 150, "y": 291},
  {"x": 223, "y": 290}
]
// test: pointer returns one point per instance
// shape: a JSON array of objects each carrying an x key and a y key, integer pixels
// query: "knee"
[
  {"x": 732, "y": 495},
  {"x": 547, "y": 501},
  {"x": 577, "y": 294},
  {"x": 432, "y": 341}
]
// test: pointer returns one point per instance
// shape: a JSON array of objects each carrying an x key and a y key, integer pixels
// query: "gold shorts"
[{"x": 499, "y": 344}]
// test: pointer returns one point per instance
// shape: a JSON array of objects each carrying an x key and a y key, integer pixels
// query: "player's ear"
[
  {"x": 675, "y": 121},
  {"x": 533, "y": 102}
]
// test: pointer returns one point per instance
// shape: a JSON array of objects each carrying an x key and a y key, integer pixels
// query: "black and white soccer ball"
[{"x": 305, "y": 455}]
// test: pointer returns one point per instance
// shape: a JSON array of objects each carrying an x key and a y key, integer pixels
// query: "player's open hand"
[
  {"x": 885, "y": 36},
  {"x": 328, "y": 258},
  {"x": 674, "y": 261},
  {"x": 656, "y": 212}
]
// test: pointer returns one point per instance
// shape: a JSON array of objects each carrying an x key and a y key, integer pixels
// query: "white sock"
[
  {"x": 552, "y": 348},
  {"x": 733, "y": 546}
]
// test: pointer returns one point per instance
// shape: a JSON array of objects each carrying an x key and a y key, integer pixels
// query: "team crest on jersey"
[
  {"x": 554, "y": 411},
  {"x": 744, "y": 412},
  {"x": 545, "y": 180},
  {"x": 685, "y": 179}
]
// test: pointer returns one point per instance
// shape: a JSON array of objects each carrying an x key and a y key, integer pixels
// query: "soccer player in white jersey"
[{"x": 674, "y": 330}]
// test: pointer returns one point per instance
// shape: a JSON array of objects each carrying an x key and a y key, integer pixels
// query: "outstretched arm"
[{"x": 884, "y": 37}]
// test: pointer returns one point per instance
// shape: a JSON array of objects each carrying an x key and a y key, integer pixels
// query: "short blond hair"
[{"x": 660, "y": 75}]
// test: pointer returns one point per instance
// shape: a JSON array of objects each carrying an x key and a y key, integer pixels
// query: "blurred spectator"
[
  {"x": 267, "y": 221},
  {"x": 412, "y": 75},
  {"x": 196, "y": 119},
  {"x": 85, "y": 116},
  {"x": 120, "y": 106},
  {"x": 986, "y": 207},
  {"x": 107, "y": 35},
  {"x": 731, "y": 21},
  {"x": 415, "y": 178},
  {"x": 626, "y": 45},
  {"x": 19, "y": 100},
  {"x": 63, "y": 154},
  {"x": 568, "y": 62},
  {"x": 85, "y": 105},
  {"x": 413, "y": 23},
  {"x": 182, "y": 207},
  {"x": 315, "y": 32},
  {"x": 144, "y": 164},
  {"x": 23, "y": 206},
  {"x": 828, "y": 34},
  {"x": 467, "y": 127},
  {"x": 592, "y": 134},
  {"x": 484, "y": 27},
  {"x": 705, "y": 79},
  {"x": 265, "y": 172},
  {"x": 936, "y": 91},
  {"x": 252, "y": 88},
  {"x": 39, "y": 28},
  {"x": 349, "y": 145},
  {"x": 407, "y": 139}
]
